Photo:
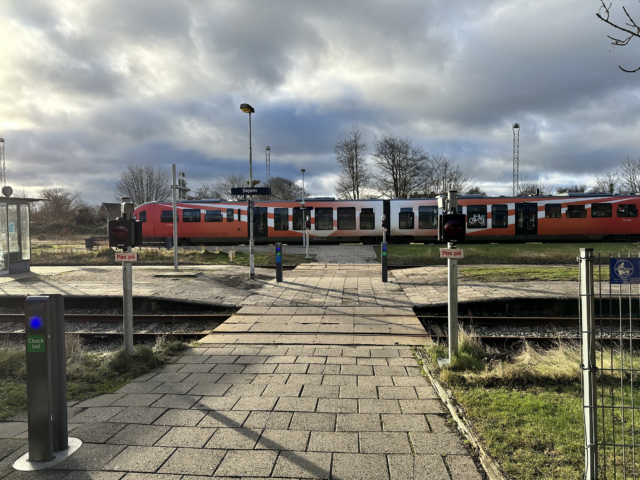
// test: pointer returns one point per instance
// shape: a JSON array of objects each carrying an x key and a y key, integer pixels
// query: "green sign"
[{"x": 35, "y": 343}]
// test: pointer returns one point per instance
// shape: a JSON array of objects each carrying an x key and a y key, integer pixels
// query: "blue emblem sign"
[{"x": 624, "y": 271}]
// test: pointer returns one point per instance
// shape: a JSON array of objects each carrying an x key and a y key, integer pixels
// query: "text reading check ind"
[
  {"x": 35, "y": 343},
  {"x": 126, "y": 256},
  {"x": 451, "y": 253}
]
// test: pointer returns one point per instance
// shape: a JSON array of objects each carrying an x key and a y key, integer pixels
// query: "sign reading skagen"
[
  {"x": 624, "y": 271},
  {"x": 36, "y": 343},
  {"x": 251, "y": 191}
]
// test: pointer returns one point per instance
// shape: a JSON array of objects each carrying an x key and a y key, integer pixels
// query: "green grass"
[
  {"x": 88, "y": 374},
  {"x": 505, "y": 253},
  {"x": 106, "y": 256},
  {"x": 511, "y": 274}
]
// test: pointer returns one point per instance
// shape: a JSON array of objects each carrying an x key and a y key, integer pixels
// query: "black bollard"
[
  {"x": 278, "y": 262},
  {"x": 383, "y": 258}
]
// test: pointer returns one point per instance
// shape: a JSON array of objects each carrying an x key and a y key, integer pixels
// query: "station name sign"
[
  {"x": 624, "y": 271},
  {"x": 451, "y": 253},
  {"x": 251, "y": 191}
]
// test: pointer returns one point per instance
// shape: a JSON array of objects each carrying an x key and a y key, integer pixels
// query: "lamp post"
[
  {"x": 304, "y": 214},
  {"x": 267, "y": 158},
  {"x": 246, "y": 108}
]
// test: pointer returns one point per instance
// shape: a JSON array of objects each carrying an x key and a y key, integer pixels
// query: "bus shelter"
[{"x": 15, "y": 240}]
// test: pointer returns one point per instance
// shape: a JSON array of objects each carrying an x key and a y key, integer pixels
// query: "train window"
[
  {"x": 576, "y": 211},
  {"x": 324, "y": 218},
  {"x": 406, "y": 219},
  {"x": 601, "y": 210},
  {"x": 281, "y": 219},
  {"x": 166, "y": 216},
  {"x": 553, "y": 210},
  {"x": 367, "y": 219},
  {"x": 142, "y": 216},
  {"x": 190, "y": 215},
  {"x": 298, "y": 219},
  {"x": 229, "y": 214},
  {"x": 476, "y": 216},
  {"x": 627, "y": 210},
  {"x": 499, "y": 216},
  {"x": 213, "y": 216},
  {"x": 347, "y": 218},
  {"x": 428, "y": 217}
]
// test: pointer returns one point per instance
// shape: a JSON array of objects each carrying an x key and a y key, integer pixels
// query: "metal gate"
[{"x": 610, "y": 384}]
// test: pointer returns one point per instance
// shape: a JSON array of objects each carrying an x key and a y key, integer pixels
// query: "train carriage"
[{"x": 572, "y": 217}]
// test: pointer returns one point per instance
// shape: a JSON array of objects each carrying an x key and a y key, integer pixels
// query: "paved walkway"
[
  {"x": 276, "y": 411},
  {"x": 321, "y": 253}
]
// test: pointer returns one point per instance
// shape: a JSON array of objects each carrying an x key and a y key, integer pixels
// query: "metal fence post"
[{"x": 588, "y": 366}]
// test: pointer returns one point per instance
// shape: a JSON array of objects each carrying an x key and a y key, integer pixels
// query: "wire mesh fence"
[{"x": 610, "y": 324}]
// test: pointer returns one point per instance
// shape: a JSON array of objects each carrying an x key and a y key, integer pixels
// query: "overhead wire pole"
[
  {"x": 178, "y": 188},
  {"x": 516, "y": 158}
]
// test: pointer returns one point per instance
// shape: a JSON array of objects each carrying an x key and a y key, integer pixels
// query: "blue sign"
[{"x": 624, "y": 271}]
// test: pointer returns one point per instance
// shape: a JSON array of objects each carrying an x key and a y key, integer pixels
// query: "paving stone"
[
  {"x": 234, "y": 438},
  {"x": 275, "y": 350},
  {"x": 167, "y": 368},
  {"x": 139, "y": 387},
  {"x": 221, "y": 359},
  {"x": 350, "y": 466},
  {"x": 328, "y": 352},
  {"x": 268, "y": 420},
  {"x": 248, "y": 359},
  {"x": 394, "y": 371},
  {"x": 344, "y": 442},
  {"x": 292, "y": 404},
  {"x": 221, "y": 351},
  {"x": 398, "y": 393},
  {"x": 387, "y": 442},
  {"x": 97, "y": 414},
  {"x": 349, "y": 391},
  {"x": 341, "y": 360},
  {"x": 200, "y": 378},
  {"x": 421, "y": 406},
  {"x": 356, "y": 352},
  {"x": 227, "y": 419},
  {"x": 180, "y": 418},
  {"x": 271, "y": 379},
  {"x": 330, "y": 405},
  {"x": 304, "y": 379},
  {"x": 228, "y": 368},
  {"x": 245, "y": 463},
  {"x": 303, "y": 465},
  {"x": 405, "y": 362},
  {"x": 85, "y": 475},
  {"x": 101, "y": 400},
  {"x": 385, "y": 353},
  {"x": 143, "y": 415},
  {"x": 7, "y": 447},
  {"x": 11, "y": 429},
  {"x": 97, "y": 432},
  {"x": 193, "y": 437},
  {"x": 437, "y": 443},
  {"x": 318, "y": 369},
  {"x": 215, "y": 403},
  {"x": 139, "y": 459},
  {"x": 426, "y": 392},
  {"x": 404, "y": 423},
  {"x": 321, "y": 391},
  {"x": 210, "y": 390},
  {"x": 367, "y": 405},
  {"x": 281, "y": 359},
  {"x": 190, "y": 461},
  {"x": 375, "y": 381},
  {"x": 176, "y": 401},
  {"x": 291, "y": 368},
  {"x": 358, "y": 422},
  {"x": 137, "y": 400},
  {"x": 89, "y": 457},
  {"x": 261, "y": 368},
  {"x": 340, "y": 380},
  {"x": 283, "y": 440},
  {"x": 314, "y": 422},
  {"x": 372, "y": 361},
  {"x": 171, "y": 377},
  {"x": 311, "y": 359},
  {"x": 282, "y": 391},
  {"x": 255, "y": 403},
  {"x": 176, "y": 388},
  {"x": 237, "y": 378},
  {"x": 356, "y": 370},
  {"x": 410, "y": 381},
  {"x": 439, "y": 423},
  {"x": 138, "y": 435},
  {"x": 418, "y": 467},
  {"x": 246, "y": 390},
  {"x": 462, "y": 466}
]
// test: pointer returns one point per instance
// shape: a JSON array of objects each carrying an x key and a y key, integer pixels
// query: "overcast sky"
[{"x": 88, "y": 87}]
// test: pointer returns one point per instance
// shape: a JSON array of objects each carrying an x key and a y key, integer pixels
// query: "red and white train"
[{"x": 572, "y": 217}]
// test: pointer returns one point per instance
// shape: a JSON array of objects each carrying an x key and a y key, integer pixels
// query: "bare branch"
[{"x": 617, "y": 42}]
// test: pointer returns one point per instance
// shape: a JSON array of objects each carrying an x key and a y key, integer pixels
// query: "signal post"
[{"x": 451, "y": 229}]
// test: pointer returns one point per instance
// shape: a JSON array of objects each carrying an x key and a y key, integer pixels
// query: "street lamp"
[
  {"x": 246, "y": 108},
  {"x": 305, "y": 232}
]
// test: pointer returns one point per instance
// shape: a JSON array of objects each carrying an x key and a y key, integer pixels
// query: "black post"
[
  {"x": 59, "y": 375},
  {"x": 278, "y": 262},
  {"x": 383, "y": 258}
]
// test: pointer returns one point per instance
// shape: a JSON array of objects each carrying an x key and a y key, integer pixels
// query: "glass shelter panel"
[
  {"x": 4, "y": 239},
  {"x": 14, "y": 236},
  {"x": 25, "y": 238}
]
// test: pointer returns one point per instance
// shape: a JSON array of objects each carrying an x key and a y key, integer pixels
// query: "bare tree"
[
  {"x": 533, "y": 187},
  {"x": 283, "y": 189},
  {"x": 402, "y": 167},
  {"x": 143, "y": 184},
  {"x": 60, "y": 205},
  {"x": 572, "y": 189},
  {"x": 630, "y": 175},
  {"x": 221, "y": 188},
  {"x": 609, "y": 182},
  {"x": 475, "y": 190},
  {"x": 445, "y": 175},
  {"x": 628, "y": 30},
  {"x": 351, "y": 154}
]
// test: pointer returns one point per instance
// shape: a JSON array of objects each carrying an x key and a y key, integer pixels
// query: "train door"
[
  {"x": 260, "y": 223},
  {"x": 527, "y": 222}
]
